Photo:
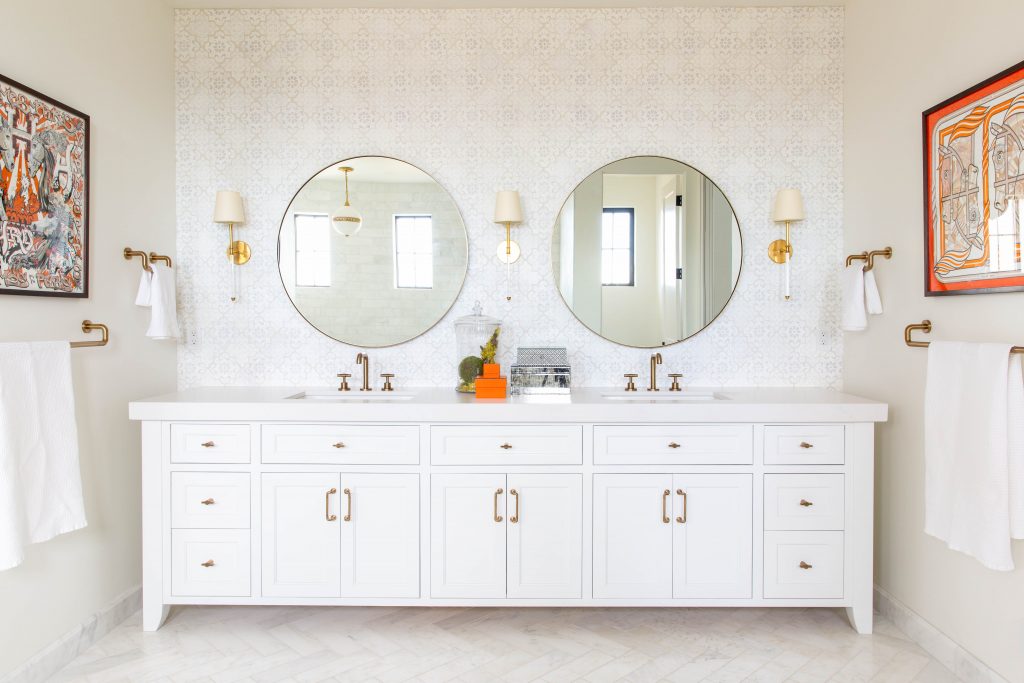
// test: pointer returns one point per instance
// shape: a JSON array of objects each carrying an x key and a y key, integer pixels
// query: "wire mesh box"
[{"x": 541, "y": 370}]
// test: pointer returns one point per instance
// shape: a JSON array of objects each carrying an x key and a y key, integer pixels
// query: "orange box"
[
  {"x": 491, "y": 387},
  {"x": 492, "y": 370}
]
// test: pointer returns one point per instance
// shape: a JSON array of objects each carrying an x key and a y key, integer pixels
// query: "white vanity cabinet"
[{"x": 763, "y": 498}]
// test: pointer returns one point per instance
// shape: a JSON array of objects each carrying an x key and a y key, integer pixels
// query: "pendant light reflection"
[{"x": 346, "y": 220}]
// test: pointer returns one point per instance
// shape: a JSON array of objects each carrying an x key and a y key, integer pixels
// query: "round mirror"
[
  {"x": 646, "y": 251},
  {"x": 372, "y": 251}
]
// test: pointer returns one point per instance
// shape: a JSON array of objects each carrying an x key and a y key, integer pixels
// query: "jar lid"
[{"x": 478, "y": 319}]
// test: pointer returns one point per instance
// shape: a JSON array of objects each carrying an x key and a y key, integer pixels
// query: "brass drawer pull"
[
  {"x": 680, "y": 492},
  {"x": 208, "y": 501},
  {"x": 348, "y": 515},
  {"x": 497, "y": 517},
  {"x": 804, "y": 565},
  {"x": 506, "y": 446},
  {"x": 673, "y": 445},
  {"x": 327, "y": 505},
  {"x": 207, "y": 564},
  {"x": 340, "y": 444},
  {"x": 664, "y": 506},
  {"x": 804, "y": 444},
  {"x": 208, "y": 444},
  {"x": 806, "y": 503},
  {"x": 515, "y": 518}
]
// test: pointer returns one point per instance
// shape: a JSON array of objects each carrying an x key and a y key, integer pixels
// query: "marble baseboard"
[
  {"x": 58, "y": 654},
  {"x": 962, "y": 663}
]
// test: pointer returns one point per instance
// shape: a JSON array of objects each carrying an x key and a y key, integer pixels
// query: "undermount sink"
[
  {"x": 353, "y": 396},
  {"x": 666, "y": 396}
]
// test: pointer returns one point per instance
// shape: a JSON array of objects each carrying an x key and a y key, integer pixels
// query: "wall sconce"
[
  {"x": 228, "y": 209},
  {"x": 508, "y": 211},
  {"x": 789, "y": 207}
]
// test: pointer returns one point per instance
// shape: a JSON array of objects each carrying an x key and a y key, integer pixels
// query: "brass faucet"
[
  {"x": 655, "y": 361},
  {"x": 364, "y": 360}
]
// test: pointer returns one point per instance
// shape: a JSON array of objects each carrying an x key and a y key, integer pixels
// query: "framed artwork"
[
  {"x": 974, "y": 188},
  {"x": 44, "y": 195}
]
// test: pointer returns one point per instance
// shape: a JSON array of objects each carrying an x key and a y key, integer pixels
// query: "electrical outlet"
[{"x": 193, "y": 337}]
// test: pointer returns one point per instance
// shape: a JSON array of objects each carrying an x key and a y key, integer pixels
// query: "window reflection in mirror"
[{"x": 646, "y": 251}]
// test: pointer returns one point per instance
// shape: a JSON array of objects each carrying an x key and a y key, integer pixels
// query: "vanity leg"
[
  {"x": 861, "y": 618},
  {"x": 153, "y": 610},
  {"x": 153, "y": 615},
  {"x": 861, "y": 449}
]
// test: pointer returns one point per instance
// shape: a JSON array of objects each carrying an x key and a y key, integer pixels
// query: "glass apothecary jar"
[{"x": 476, "y": 343}]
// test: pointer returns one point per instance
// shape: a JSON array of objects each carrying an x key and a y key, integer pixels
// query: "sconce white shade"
[
  {"x": 789, "y": 206},
  {"x": 507, "y": 208},
  {"x": 228, "y": 208}
]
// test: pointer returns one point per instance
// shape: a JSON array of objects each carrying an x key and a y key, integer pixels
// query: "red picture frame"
[{"x": 973, "y": 150}]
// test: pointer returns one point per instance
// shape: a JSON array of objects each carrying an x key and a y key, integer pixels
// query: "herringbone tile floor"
[{"x": 222, "y": 644}]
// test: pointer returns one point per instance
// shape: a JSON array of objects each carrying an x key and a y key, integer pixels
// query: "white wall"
[
  {"x": 125, "y": 83},
  {"x": 902, "y": 58}
]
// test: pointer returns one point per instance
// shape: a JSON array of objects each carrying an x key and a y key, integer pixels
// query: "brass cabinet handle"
[
  {"x": 806, "y": 503},
  {"x": 327, "y": 505},
  {"x": 804, "y": 565},
  {"x": 348, "y": 515},
  {"x": 664, "y": 506},
  {"x": 680, "y": 492},
  {"x": 515, "y": 518},
  {"x": 208, "y": 444},
  {"x": 340, "y": 444},
  {"x": 506, "y": 446},
  {"x": 208, "y": 501},
  {"x": 208, "y": 563},
  {"x": 497, "y": 517},
  {"x": 673, "y": 445},
  {"x": 804, "y": 444}
]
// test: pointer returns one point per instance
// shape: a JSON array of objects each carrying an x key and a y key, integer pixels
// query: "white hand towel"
[
  {"x": 1015, "y": 425},
  {"x": 966, "y": 450},
  {"x": 40, "y": 481},
  {"x": 872, "y": 299},
  {"x": 854, "y": 317},
  {"x": 163, "y": 322},
  {"x": 143, "y": 296}
]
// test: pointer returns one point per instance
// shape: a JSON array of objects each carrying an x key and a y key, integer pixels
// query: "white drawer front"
[
  {"x": 803, "y": 502},
  {"x": 674, "y": 445},
  {"x": 210, "y": 562},
  {"x": 210, "y": 500},
  {"x": 803, "y": 564},
  {"x": 209, "y": 443},
  {"x": 804, "y": 444},
  {"x": 506, "y": 445},
  {"x": 341, "y": 444}
]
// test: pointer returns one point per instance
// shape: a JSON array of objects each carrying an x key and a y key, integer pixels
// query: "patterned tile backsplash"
[{"x": 526, "y": 99}]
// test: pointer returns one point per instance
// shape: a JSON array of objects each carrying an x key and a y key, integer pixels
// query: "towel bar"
[
  {"x": 129, "y": 253},
  {"x": 153, "y": 256},
  {"x": 869, "y": 256},
  {"x": 926, "y": 327},
  {"x": 90, "y": 326}
]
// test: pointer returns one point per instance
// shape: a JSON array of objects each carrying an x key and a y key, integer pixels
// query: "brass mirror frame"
[
  {"x": 739, "y": 230},
  {"x": 465, "y": 271}
]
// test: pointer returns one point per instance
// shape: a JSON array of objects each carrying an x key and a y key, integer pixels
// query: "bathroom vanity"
[{"x": 733, "y": 497}]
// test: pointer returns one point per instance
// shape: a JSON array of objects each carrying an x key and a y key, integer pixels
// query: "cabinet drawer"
[
  {"x": 341, "y": 444},
  {"x": 209, "y": 443},
  {"x": 803, "y": 564},
  {"x": 210, "y": 562},
  {"x": 803, "y": 502},
  {"x": 210, "y": 500},
  {"x": 803, "y": 444},
  {"x": 507, "y": 445},
  {"x": 673, "y": 445}
]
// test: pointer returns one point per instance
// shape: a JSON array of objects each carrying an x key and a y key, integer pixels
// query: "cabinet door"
[
  {"x": 545, "y": 535},
  {"x": 632, "y": 536},
  {"x": 467, "y": 535},
  {"x": 713, "y": 525},
  {"x": 380, "y": 535},
  {"x": 301, "y": 541}
]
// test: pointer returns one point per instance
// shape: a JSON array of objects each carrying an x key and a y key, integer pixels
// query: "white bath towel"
[
  {"x": 872, "y": 299},
  {"x": 967, "y": 469},
  {"x": 854, "y": 317},
  {"x": 40, "y": 481},
  {"x": 143, "y": 296},
  {"x": 163, "y": 322},
  {"x": 1015, "y": 425}
]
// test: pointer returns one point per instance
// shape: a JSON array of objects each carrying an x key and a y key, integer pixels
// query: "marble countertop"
[{"x": 763, "y": 404}]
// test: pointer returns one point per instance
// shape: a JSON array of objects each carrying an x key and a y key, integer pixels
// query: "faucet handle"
[
  {"x": 630, "y": 385},
  {"x": 387, "y": 381},
  {"x": 675, "y": 381},
  {"x": 344, "y": 381}
]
